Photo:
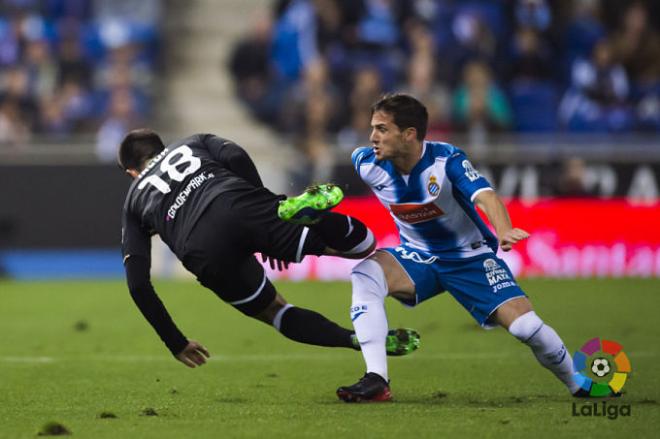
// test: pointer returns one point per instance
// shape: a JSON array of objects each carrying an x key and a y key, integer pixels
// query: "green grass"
[{"x": 463, "y": 382}]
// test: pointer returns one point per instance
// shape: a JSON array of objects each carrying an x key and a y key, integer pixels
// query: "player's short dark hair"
[
  {"x": 406, "y": 111},
  {"x": 137, "y": 147}
]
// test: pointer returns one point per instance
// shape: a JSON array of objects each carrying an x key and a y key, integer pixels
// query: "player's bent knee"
[
  {"x": 511, "y": 310},
  {"x": 359, "y": 251},
  {"x": 526, "y": 326},
  {"x": 398, "y": 281},
  {"x": 268, "y": 314}
]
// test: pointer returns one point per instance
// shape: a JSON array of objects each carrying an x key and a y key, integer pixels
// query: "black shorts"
[{"x": 220, "y": 249}]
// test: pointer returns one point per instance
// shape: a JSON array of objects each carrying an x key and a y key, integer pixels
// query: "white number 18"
[{"x": 183, "y": 155}]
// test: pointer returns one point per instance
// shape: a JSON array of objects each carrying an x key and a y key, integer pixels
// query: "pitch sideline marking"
[{"x": 272, "y": 357}]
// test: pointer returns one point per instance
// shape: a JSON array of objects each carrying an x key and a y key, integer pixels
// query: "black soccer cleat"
[
  {"x": 371, "y": 388},
  {"x": 581, "y": 393}
]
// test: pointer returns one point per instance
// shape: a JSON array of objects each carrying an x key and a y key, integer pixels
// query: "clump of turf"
[
  {"x": 149, "y": 412},
  {"x": 53, "y": 429},
  {"x": 107, "y": 415},
  {"x": 81, "y": 326}
]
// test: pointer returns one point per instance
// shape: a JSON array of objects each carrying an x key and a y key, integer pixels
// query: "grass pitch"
[{"x": 78, "y": 354}]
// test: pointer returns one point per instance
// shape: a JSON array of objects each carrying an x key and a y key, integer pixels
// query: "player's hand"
[
  {"x": 511, "y": 237},
  {"x": 193, "y": 355},
  {"x": 281, "y": 265}
]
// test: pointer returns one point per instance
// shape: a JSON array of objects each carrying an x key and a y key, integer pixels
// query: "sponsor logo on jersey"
[
  {"x": 181, "y": 199},
  {"x": 433, "y": 186},
  {"x": 416, "y": 213},
  {"x": 497, "y": 276}
]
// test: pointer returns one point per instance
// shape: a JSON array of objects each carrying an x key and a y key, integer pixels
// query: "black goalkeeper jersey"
[{"x": 172, "y": 192}]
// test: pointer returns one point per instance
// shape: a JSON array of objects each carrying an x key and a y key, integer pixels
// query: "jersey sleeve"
[
  {"x": 135, "y": 241},
  {"x": 231, "y": 156},
  {"x": 464, "y": 177},
  {"x": 358, "y": 157},
  {"x": 143, "y": 294}
]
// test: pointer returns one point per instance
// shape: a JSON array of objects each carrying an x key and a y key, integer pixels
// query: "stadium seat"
[{"x": 534, "y": 105}]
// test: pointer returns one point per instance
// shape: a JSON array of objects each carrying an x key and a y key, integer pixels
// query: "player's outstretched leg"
[
  {"x": 308, "y": 207},
  {"x": 547, "y": 346},
  {"x": 309, "y": 327},
  {"x": 370, "y": 323},
  {"x": 347, "y": 236}
]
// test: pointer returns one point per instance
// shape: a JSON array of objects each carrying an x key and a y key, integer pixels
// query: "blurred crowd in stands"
[
  {"x": 76, "y": 67},
  {"x": 312, "y": 68}
]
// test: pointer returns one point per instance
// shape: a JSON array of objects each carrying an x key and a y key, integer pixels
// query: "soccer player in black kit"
[{"x": 203, "y": 196}]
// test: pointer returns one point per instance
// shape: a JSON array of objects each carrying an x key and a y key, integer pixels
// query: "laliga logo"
[{"x": 601, "y": 367}]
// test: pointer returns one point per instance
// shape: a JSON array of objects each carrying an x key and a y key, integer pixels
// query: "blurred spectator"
[
  {"x": 367, "y": 87},
  {"x": 72, "y": 65},
  {"x": 597, "y": 98},
  {"x": 77, "y": 106},
  {"x": 53, "y": 121},
  {"x": 636, "y": 45},
  {"x": 533, "y": 14},
  {"x": 294, "y": 43},
  {"x": 479, "y": 106},
  {"x": 422, "y": 85},
  {"x": 532, "y": 88},
  {"x": 572, "y": 179},
  {"x": 250, "y": 68},
  {"x": 122, "y": 118},
  {"x": 16, "y": 88},
  {"x": 62, "y": 62},
  {"x": 473, "y": 39},
  {"x": 9, "y": 40},
  {"x": 13, "y": 129},
  {"x": 314, "y": 103},
  {"x": 531, "y": 58},
  {"x": 41, "y": 68},
  {"x": 583, "y": 31}
]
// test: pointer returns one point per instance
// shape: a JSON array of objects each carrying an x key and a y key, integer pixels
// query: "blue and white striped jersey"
[{"x": 433, "y": 205}]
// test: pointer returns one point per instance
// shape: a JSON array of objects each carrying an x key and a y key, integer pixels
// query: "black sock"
[
  {"x": 306, "y": 326},
  {"x": 340, "y": 232}
]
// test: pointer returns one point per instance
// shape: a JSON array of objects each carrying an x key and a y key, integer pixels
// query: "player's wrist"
[{"x": 177, "y": 346}]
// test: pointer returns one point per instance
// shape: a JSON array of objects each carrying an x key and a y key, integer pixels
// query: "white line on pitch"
[{"x": 460, "y": 356}]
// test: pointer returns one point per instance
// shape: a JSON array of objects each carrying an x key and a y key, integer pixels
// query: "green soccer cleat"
[
  {"x": 308, "y": 207},
  {"x": 401, "y": 341}
]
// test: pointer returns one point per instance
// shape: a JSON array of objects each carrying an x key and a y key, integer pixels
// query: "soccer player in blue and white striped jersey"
[{"x": 431, "y": 190}]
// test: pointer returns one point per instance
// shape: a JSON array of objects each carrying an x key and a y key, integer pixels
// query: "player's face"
[{"x": 387, "y": 139}]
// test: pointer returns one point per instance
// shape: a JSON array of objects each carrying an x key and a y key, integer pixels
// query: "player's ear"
[
  {"x": 133, "y": 173},
  {"x": 410, "y": 134}
]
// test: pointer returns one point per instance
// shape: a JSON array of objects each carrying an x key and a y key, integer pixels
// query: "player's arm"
[
  {"x": 136, "y": 248},
  {"x": 474, "y": 187},
  {"x": 491, "y": 204},
  {"x": 189, "y": 352},
  {"x": 234, "y": 158}
]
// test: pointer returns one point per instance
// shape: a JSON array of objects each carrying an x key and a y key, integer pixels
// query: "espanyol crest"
[{"x": 433, "y": 186}]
